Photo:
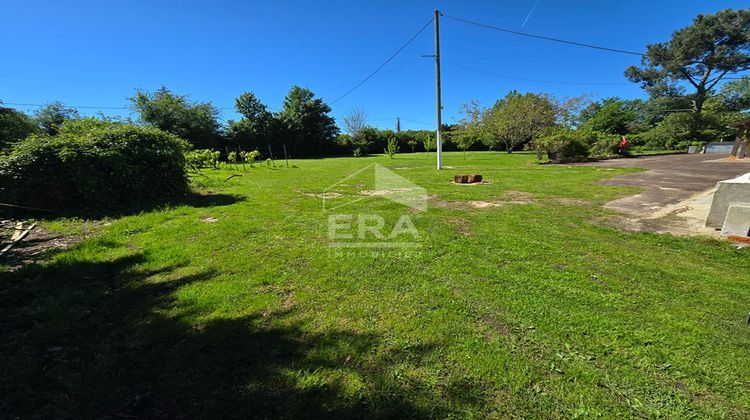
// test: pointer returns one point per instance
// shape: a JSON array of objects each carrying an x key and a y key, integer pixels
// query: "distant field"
[{"x": 513, "y": 302}]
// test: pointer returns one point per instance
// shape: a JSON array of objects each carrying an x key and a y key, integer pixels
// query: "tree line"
[
  {"x": 304, "y": 125},
  {"x": 686, "y": 105}
]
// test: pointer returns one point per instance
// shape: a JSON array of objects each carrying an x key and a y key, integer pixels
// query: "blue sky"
[{"x": 96, "y": 53}]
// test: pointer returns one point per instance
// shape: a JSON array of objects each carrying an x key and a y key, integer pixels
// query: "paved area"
[
  {"x": 676, "y": 191},
  {"x": 669, "y": 179}
]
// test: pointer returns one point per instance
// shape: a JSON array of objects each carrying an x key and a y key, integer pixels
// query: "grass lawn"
[{"x": 238, "y": 307}]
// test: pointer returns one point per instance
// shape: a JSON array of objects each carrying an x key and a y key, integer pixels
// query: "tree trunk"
[
  {"x": 698, "y": 99},
  {"x": 507, "y": 147}
]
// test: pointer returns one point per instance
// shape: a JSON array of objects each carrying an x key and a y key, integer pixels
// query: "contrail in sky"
[{"x": 530, "y": 13}]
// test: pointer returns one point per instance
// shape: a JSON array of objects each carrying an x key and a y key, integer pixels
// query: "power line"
[
  {"x": 386, "y": 62},
  {"x": 535, "y": 80},
  {"x": 402, "y": 119},
  {"x": 65, "y": 105},
  {"x": 89, "y": 107},
  {"x": 546, "y": 38}
]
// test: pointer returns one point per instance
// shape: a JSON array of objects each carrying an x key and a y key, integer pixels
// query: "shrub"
[
  {"x": 250, "y": 157},
  {"x": 202, "y": 158},
  {"x": 392, "y": 147},
  {"x": 606, "y": 145},
  {"x": 94, "y": 165},
  {"x": 565, "y": 144},
  {"x": 14, "y": 126},
  {"x": 429, "y": 143}
]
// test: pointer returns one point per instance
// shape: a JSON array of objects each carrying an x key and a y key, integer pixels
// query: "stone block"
[
  {"x": 467, "y": 179},
  {"x": 731, "y": 191},
  {"x": 737, "y": 222}
]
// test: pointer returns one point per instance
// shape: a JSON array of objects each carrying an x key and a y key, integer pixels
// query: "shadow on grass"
[
  {"x": 108, "y": 339},
  {"x": 193, "y": 200}
]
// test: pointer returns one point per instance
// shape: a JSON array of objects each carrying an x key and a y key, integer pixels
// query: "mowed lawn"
[{"x": 236, "y": 305}]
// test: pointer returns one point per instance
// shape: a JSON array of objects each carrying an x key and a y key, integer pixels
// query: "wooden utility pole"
[{"x": 439, "y": 101}]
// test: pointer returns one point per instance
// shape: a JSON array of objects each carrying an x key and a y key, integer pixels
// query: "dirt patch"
[
  {"x": 38, "y": 243},
  {"x": 462, "y": 226},
  {"x": 518, "y": 197},
  {"x": 380, "y": 193},
  {"x": 508, "y": 197},
  {"x": 497, "y": 325},
  {"x": 485, "y": 204},
  {"x": 325, "y": 195},
  {"x": 570, "y": 201},
  {"x": 209, "y": 220}
]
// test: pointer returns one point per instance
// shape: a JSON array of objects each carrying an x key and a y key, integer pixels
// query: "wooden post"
[
  {"x": 226, "y": 149},
  {"x": 286, "y": 157},
  {"x": 270, "y": 153},
  {"x": 239, "y": 154}
]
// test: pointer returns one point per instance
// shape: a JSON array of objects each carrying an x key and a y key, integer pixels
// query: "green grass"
[{"x": 529, "y": 309}]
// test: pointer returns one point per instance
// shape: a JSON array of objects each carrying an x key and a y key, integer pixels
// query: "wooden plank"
[{"x": 18, "y": 238}]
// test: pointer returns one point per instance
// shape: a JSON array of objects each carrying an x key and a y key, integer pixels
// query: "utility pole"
[{"x": 439, "y": 101}]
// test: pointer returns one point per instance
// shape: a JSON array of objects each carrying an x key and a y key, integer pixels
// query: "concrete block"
[
  {"x": 717, "y": 147},
  {"x": 731, "y": 191},
  {"x": 737, "y": 222}
]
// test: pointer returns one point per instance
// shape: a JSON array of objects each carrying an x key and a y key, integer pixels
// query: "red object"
[{"x": 624, "y": 143}]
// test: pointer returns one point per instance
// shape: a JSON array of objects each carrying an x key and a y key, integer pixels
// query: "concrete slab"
[
  {"x": 676, "y": 190},
  {"x": 737, "y": 222},
  {"x": 719, "y": 147},
  {"x": 728, "y": 192}
]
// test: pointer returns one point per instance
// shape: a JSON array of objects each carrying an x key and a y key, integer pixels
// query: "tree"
[
  {"x": 255, "y": 128},
  {"x": 413, "y": 145},
  {"x": 193, "y": 121},
  {"x": 429, "y": 143},
  {"x": 53, "y": 115},
  {"x": 463, "y": 141},
  {"x": 700, "y": 54},
  {"x": 355, "y": 121},
  {"x": 306, "y": 123},
  {"x": 514, "y": 120},
  {"x": 469, "y": 128},
  {"x": 392, "y": 147},
  {"x": 15, "y": 125},
  {"x": 613, "y": 116},
  {"x": 355, "y": 124},
  {"x": 570, "y": 109},
  {"x": 734, "y": 96}
]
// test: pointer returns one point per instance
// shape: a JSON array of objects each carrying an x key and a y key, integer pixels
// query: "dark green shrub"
[
  {"x": 606, "y": 145},
  {"x": 567, "y": 146},
  {"x": 14, "y": 126},
  {"x": 94, "y": 165},
  {"x": 572, "y": 149}
]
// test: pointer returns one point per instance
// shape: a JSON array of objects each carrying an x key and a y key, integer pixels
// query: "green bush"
[
  {"x": 606, "y": 145},
  {"x": 565, "y": 144},
  {"x": 94, "y": 165},
  {"x": 392, "y": 147},
  {"x": 202, "y": 158}
]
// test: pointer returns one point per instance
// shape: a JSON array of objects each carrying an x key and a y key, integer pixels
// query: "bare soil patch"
[
  {"x": 325, "y": 195},
  {"x": 38, "y": 243},
  {"x": 379, "y": 193}
]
